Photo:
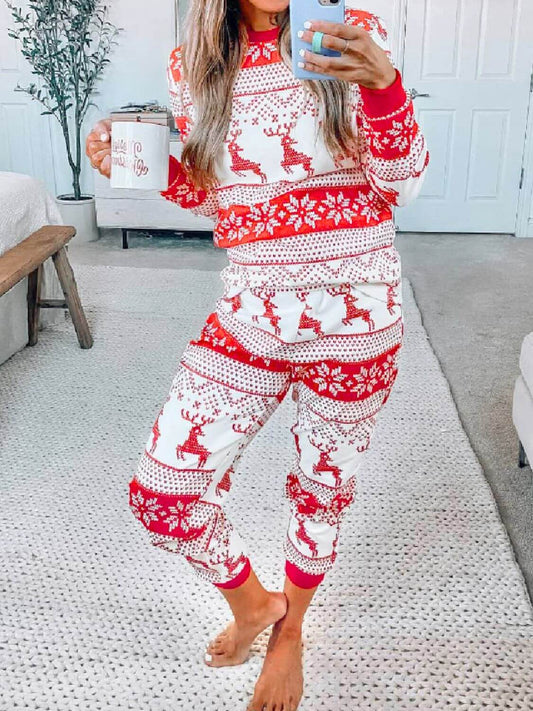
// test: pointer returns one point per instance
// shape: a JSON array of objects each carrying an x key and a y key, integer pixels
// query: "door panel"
[
  {"x": 474, "y": 59},
  {"x": 25, "y": 138}
]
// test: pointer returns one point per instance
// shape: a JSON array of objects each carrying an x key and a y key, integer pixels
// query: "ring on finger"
[{"x": 316, "y": 42}]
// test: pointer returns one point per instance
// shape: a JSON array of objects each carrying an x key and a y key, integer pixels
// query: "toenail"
[{"x": 208, "y": 657}]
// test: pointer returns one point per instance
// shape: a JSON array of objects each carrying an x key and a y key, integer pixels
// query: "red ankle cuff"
[
  {"x": 239, "y": 579},
  {"x": 301, "y": 579}
]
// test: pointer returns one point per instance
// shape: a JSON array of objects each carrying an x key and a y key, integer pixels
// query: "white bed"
[{"x": 25, "y": 206}]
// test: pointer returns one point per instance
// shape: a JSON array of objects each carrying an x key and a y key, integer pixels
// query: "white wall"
[
  {"x": 137, "y": 72},
  {"x": 530, "y": 228}
]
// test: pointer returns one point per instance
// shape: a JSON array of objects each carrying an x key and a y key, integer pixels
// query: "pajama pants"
[{"x": 320, "y": 314}]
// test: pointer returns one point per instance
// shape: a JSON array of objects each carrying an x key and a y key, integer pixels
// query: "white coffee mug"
[{"x": 139, "y": 155}]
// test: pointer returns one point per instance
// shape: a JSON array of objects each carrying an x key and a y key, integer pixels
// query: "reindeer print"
[
  {"x": 302, "y": 535},
  {"x": 235, "y": 302},
  {"x": 191, "y": 444},
  {"x": 352, "y": 311},
  {"x": 225, "y": 483},
  {"x": 155, "y": 429},
  {"x": 306, "y": 320},
  {"x": 324, "y": 464},
  {"x": 391, "y": 294},
  {"x": 240, "y": 165},
  {"x": 266, "y": 297},
  {"x": 156, "y": 433},
  {"x": 291, "y": 157}
]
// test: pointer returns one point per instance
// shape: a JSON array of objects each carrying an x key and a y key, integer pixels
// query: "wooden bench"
[{"x": 26, "y": 259}]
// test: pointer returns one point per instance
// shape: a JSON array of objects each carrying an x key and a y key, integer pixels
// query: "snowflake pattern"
[
  {"x": 338, "y": 208},
  {"x": 146, "y": 510},
  {"x": 179, "y": 515},
  {"x": 367, "y": 207},
  {"x": 367, "y": 379},
  {"x": 233, "y": 227},
  {"x": 396, "y": 139},
  {"x": 209, "y": 333},
  {"x": 263, "y": 217},
  {"x": 330, "y": 378},
  {"x": 389, "y": 369},
  {"x": 301, "y": 211},
  {"x": 355, "y": 380},
  {"x": 261, "y": 53}
]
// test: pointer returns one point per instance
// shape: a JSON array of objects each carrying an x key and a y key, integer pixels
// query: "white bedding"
[{"x": 25, "y": 206}]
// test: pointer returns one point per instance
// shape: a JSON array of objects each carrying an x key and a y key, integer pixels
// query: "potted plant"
[{"x": 67, "y": 42}]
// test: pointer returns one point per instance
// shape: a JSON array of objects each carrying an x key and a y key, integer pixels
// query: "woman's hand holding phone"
[
  {"x": 98, "y": 147},
  {"x": 362, "y": 60}
]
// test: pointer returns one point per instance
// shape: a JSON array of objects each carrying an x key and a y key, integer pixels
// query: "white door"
[
  {"x": 473, "y": 58},
  {"x": 25, "y": 145}
]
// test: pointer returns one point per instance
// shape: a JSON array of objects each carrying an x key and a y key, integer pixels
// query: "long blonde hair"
[{"x": 212, "y": 54}]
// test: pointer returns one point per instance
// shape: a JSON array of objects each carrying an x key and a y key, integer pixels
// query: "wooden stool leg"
[
  {"x": 70, "y": 290},
  {"x": 33, "y": 296}
]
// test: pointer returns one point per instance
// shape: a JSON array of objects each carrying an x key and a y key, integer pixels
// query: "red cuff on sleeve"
[{"x": 380, "y": 102}]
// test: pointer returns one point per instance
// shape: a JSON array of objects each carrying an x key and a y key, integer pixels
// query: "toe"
[
  {"x": 255, "y": 705},
  {"x": 217, "y": 660},
  {"x": 208, "y": 659},
  {"x": 216, "y": 646}
]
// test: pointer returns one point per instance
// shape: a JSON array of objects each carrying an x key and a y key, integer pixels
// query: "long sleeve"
[
  {"x": 180, "y": 189},
  {"x": 392, "y": 148}
]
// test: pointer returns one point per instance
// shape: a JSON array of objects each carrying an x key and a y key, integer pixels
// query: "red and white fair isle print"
[
  {"x": 221, "y": 395},
  {"x": 312, "y": 300},
  {"x": 275, "y": 175},
  {"x": 301, "y": 211}
]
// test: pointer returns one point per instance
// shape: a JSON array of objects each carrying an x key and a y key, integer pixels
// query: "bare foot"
[
  {"x": 232, "y": 646},
  {"x": 280, "y": 684}
]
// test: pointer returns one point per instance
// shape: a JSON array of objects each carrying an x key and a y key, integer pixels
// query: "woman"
[{"x": 300, "y": 177}]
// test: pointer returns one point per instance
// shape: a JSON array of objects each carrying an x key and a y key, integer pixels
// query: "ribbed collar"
[{"x": 262, "y": 35}]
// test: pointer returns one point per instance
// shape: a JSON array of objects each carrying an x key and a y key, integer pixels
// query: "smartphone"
[{"x": 302, "y": 10}]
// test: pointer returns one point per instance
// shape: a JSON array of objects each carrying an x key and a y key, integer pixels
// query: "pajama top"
[
  {"x": 297, "y": 223},
  {"x": 276, "y": 178}
]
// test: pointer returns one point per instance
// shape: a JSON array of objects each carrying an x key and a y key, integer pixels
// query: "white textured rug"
[{"x": 425, "y": 609}]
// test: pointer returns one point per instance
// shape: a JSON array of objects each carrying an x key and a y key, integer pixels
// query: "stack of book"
[{"x": 150, "y": 112}]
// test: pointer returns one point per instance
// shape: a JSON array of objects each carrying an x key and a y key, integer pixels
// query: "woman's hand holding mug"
[
  {"x": 98, "y": 147},
  {"x": 137, "y": 157}
]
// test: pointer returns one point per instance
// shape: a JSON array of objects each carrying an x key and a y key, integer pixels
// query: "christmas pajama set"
[{"x": 311, "y": 303}]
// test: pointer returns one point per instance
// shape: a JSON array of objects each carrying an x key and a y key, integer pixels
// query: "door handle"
[{"x": 414, "y": 93}]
